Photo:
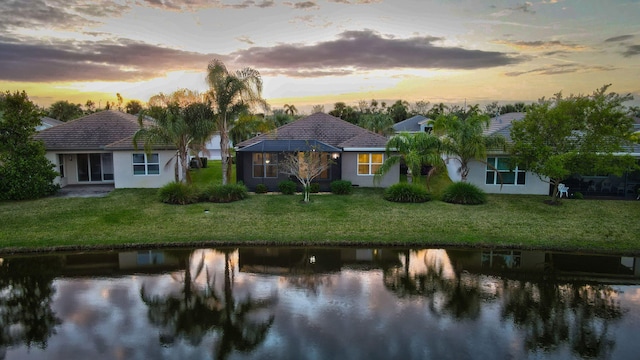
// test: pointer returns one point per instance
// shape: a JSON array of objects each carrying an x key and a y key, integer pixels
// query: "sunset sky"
[{"x": 321, "y": 51}]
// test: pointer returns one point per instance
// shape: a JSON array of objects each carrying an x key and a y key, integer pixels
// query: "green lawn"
[{"x": 130, "y": 217}]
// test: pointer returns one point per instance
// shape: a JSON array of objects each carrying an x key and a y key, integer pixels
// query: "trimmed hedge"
[
  {"x": 287, "y": 187},
  {"x": 261, "y": 189},
  {"x": 224, "y": 193},
  {"x": 464, "y": 193},
  {"x": 178, "y": 193},
  {"x": 314, "y": 188},
  {"x": 341, "y": 187},
  {"x": 406, "y": 193}
]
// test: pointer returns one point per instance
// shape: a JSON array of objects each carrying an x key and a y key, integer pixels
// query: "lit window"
[
  {"x": 508, "y": 175},
  {"x": 144, "y": 164},
  {"x": 369, "y": 163},
  {"x": 265, "y": 165}
]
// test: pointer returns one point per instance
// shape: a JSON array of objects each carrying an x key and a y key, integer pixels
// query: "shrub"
[
  {"x": 578, "y": 195},
  {"x": 287, "y": 187},
  {"x": 341, "y": 187},
  {"x": 178, "y": 193},
  {"x": 261, "y": 189},
  {"x": 224, "y": 193},
  {"x": 314, "y": 188},
  {"x": 464, "y": 193},
  {"x": 406, "y": 193}
]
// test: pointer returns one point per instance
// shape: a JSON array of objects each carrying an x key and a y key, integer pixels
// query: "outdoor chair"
[
  {"x": 606, "y": 185},
  {"x": 562, "y": 189}
]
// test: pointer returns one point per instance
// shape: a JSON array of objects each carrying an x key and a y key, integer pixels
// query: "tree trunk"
[{"x": 224, "y": 149}]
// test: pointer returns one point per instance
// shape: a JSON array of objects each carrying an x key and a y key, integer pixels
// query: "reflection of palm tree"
[
  {"x": 238, "y": 330},
  {"x": 26, "y": 316},
  {"x": 201, "y": 310},
  {"x": 546, "y": 310},
  {"x": 191, "y": 314}
]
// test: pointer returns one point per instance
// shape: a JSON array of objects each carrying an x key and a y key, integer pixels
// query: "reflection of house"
[
  {"x": 517, "y": 263},
  {"x": 121, "y": 263},
  {"x": 98, "y": 149},
  {"x": 295, "y": 261},
  {"x": 357, "y": 153}
]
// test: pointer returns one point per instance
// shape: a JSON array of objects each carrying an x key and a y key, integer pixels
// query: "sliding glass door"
[{"x": 95, "y": 167}]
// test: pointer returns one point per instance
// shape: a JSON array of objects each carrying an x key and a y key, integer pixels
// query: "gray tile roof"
[
  {"x": 288, "y": 146},
  {"x": 91, "y": 132},
  {"x": 324, "y": 128}
]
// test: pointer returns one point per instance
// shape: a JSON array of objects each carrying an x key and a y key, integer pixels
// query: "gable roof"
[
  {"x": 47, "y": 122},
  {"x": 91, "y": 132},
  {"x": 501, "y": 124},
  {"x": 323, "y": 128},
  {"x": 412, "y": 124}
]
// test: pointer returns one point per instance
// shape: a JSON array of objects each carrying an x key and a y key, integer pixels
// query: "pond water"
[{"x": 319, "y": 303}]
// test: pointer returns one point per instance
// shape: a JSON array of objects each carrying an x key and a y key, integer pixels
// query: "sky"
[{"x": 318, "y": 52}]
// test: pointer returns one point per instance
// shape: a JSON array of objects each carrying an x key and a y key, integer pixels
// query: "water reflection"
[{"x": 319, "y": 303}]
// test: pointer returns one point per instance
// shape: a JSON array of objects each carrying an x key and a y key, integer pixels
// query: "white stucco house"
[{"x": 99, "y": 149}]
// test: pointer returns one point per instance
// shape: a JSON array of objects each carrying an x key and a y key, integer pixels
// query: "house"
[
  {"x": 47, "y": 122},
  {"x": 518, "y": 181},
  {"x": 500, "y": 178},
  {"x": 414, "y": 124},
  {"x": 98, "y": 149},
  {"x": 356, "y": 153}
]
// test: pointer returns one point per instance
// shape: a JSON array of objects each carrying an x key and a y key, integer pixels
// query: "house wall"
[
  {"x": 213, "y": 148},
  {"x": 123, "y": 170},
  {"x": 350, "y": 172},
  {"x": 533, "y": 185}
]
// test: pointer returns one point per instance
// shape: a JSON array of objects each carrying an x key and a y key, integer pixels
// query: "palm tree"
[
  {"x": 415, "y": 149},
  {"x": 463, "y": 138},
  {"x": 185, "y": 128},
  {"x": 377, "y": 122},
  {"x": 231, "y": 94},
  {"x": 290, "y": 109}
]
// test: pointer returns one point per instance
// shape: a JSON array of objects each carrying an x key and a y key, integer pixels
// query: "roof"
[
  {"x": 501, "y": 124},
  {"x": 91, "y": 132},
  {"x": 412, "y": 124},
  {"x": 326, "y": 129},
  {"x": 47, "y": 122},
  {"x": 289, "y": 146}
]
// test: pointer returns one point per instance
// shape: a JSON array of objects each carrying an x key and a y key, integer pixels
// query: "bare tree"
[{"x": 305, "y": 166}]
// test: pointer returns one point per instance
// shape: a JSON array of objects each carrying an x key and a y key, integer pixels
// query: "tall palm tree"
[
  {"x": 463, "y": 139},
  {"x": 231, "y": 94},
  {"x": 290, "y": 109},
  {"x": 185, "y": 128},
  {"x": 415, "y": 149}
]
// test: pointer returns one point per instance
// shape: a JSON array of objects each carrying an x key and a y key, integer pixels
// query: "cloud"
[
  {"x": 561, "y": 69},
  {"x": 54, "y": 14},
  {"x": 366, "y": 50},
  {"x": 302, "y": 5},
  {"x": 619, "y": 38},
  {"x": 541, "y": 45},
  {"x": 245, "y": 39},
  {"x": 124, "y": 60},
  {"x": 524, "y": 8},
  {"x": 632, "y": 50}
]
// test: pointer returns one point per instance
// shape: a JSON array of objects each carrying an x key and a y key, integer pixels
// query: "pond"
[{"x": 319, "y": 303}]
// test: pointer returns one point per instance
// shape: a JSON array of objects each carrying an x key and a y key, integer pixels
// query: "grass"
[{"x": 134, "y": 217}]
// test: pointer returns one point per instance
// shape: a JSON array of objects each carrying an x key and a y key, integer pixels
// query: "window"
[
  {"x": 369, "y": 163},
  {"x": 61, "y": 165},
  {"x": 265, "y": 165},
  {"x": 144, "y": 164},
  {"x": 320, "y": 159},
  {"x": 508, "y": 175}
]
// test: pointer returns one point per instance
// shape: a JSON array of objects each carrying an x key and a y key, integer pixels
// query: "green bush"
[
  {"x": 578, "y": 195},
  {"x": 341, "y": 187},
  {"x": 287, "y": 187},
  {"x": 406, "y": 193},
  {"x": 314, "y": 188},
  {"x": 464, "y": 193},
  {"x": 224, "y": 193},
  {"x": 178, "y": 193},
  {"x": 261, "y": 189}
]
